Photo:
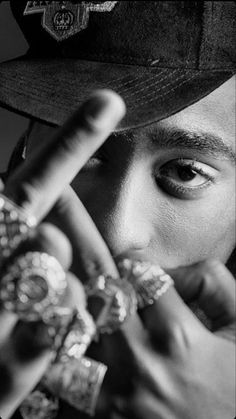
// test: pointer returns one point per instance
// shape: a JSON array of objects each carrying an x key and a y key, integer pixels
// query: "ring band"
[
  {"x": 15, "y": 225},
  {"x": 77, "y": 381},
  {"x": 149, "y": 281},
  {"x": 33, "y": 284},
  {"x": 115, "y": 299}
]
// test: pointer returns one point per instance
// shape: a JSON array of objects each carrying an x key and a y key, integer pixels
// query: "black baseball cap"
[{"x": 160, "y": 56}]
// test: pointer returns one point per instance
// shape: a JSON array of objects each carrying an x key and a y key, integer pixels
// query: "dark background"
[{"x": 12, "y": 44}]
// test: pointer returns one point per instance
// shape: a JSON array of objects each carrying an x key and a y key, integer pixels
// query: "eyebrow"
[{"x": 202, "y": 142}]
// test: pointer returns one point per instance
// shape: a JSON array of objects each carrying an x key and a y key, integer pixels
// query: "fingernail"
[{"x": 104, "y": 109}]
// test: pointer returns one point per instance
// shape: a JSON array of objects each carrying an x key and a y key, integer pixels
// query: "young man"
[{"x": 161, "y": 188}]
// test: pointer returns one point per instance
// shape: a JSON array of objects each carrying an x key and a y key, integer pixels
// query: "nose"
[{"x": 119, "y": 207}]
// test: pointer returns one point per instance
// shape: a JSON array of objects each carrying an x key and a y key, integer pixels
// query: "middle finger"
[{"x": 37, "y": 184}]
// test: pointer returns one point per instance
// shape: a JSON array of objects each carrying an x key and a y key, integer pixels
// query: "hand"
[
  {"x": 168, "y": 364},
  {"x": 35, "y": 187}
]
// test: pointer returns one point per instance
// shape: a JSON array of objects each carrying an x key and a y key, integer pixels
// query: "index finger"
[{"x": 37, "y": 184}]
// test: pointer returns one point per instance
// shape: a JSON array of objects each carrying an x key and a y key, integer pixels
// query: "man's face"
[{"x": 167, "y": 190}]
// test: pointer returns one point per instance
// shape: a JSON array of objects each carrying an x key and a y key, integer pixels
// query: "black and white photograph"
[{"x": 117, "y": 209}]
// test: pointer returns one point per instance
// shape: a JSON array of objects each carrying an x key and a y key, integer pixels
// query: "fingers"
[
  {"x": 213, "y": 287},
  {"x": 35, "y": 187},
  {"x": 161, "y": 309},
  {"x": 91, "y": 256},
  {"x": 170, "y": 321},
  {"x": 49, "y": 239},
  {"x": 25, "y": 348},
  {"x": 37, "y": 184}
]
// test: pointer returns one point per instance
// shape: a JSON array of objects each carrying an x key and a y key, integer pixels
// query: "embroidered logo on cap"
[{"x": 63, "y": 19}]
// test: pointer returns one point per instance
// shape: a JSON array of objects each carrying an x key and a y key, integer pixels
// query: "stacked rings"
[
  {"x": 34, "y": 286},
  {"x": 15, "y": 225},
  {"x": 72, "y": 377},
  {"x": 111, "y": 302},
  {"x": 149, "y": 281}
]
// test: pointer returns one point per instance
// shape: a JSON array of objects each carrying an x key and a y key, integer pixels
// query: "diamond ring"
[
  {"x": 15, "y": 225},
  {"x": 33, "y": 284},
  {"x": 110, "y": 301},
  {"x": 149, "y": 281}
]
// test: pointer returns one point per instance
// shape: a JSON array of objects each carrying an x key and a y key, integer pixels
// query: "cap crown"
[{"x": 174, "y": 34}]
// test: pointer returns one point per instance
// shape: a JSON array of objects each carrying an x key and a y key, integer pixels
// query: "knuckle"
[
  {"x": 180, "y": 339},
  {"x": 210, "y": 265},
  {"x": 69, "y": 140},
  {"x": 50, "y": 235},
  {"x": 52, "y": 240},
  {"x": 212, "y": 271},
  {"x": 205, "y": 271}
]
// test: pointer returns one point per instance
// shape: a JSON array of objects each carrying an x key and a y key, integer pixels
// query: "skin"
[
  {"x": 161, "y": 371},
  {"x": 25, "y": 348},
  {"x": 133, "y": 207}
]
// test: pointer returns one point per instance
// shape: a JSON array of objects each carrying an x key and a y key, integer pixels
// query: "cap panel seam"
[
  {"x": 168, "y": 91},
  {"x": 35, "y": 91},
  {"x": 44, "y": 84},
  {"x": 69, "y": 107},
  {"x": 148, "y": 85},
  {"x": 163, "y": 88},
  {"x": 136, "y": 79}
]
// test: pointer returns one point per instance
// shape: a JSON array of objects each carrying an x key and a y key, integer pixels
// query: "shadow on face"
[{"x": 166, "y": 190}]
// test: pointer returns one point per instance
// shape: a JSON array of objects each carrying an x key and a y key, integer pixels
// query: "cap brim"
[{"x": 50, "y": 90}]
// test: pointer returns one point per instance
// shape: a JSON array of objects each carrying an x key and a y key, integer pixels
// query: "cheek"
[{"x": 192, "y": 231}]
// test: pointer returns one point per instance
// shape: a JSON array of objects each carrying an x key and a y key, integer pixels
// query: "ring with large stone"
[
  {"x": 15, "y": 225},
  {"x": 33, "y": 284},
  {"x": 77, "y": 381},
  {"x": 110, "y": 301},
  {"x": 149, "y": 281}
]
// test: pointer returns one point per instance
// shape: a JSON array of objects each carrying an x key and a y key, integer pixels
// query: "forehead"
[{"x": 213, "y": 114}]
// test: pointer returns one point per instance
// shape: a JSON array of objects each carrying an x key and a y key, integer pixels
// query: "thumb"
[{"x": 212, "y": 287}]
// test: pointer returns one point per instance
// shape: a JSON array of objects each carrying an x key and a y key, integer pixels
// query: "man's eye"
[{"x": 184, "y": 178}]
